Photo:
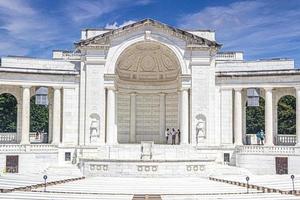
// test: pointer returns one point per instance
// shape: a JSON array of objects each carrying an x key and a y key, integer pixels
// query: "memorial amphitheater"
[{"x": 110, "y": 101}]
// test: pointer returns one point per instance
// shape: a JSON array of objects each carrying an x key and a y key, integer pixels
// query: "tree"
[
  {"x": 39, "y": 117},
  {"x": 287, "y": 115},
  {"x": 255, "y": 117},
  {"x": 8, "y": 113}
]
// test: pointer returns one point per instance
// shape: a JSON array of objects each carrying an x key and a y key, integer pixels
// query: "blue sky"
[{"x": 262, "y": 28}]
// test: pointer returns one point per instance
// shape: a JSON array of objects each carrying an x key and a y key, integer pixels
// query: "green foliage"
[
  {"x": 39, "y": 115},
  {"x": 287, "y": 115},
  {"x": 8, "y": 113},
  {"x": 255, "y": 117}
]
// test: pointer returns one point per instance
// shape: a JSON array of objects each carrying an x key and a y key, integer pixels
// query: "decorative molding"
[
  {"x": 100, "y": 41},
  {"x": 148, "y": 61},
  {"x": 147, "y": 168}
]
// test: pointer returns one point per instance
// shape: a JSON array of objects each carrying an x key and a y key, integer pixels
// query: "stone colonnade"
[
  {"x": 111, "y": 131},
  {"x": 56, "y": 115},
  {"x": 269, "y": 132}
]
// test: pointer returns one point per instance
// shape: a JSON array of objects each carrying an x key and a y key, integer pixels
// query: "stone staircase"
[
  {"x": 265, "y": 183},
  {"x": 108, "y": 188}
]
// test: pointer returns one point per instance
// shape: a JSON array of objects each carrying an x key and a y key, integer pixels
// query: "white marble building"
[{"x": 111, "y": 100}]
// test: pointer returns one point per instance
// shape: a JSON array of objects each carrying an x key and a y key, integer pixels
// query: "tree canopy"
[
  {"x": 39, "y": 115},
  {"x": 286, "y": 113},
  {"x": 255, "y": 117},
  {"x": 8, "y": 113}
]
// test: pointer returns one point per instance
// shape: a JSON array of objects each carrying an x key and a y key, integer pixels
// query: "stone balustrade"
[
  {"x": 261, "y": 149},
  {"x": 8, "y": 138},
  {"x": 280, "y": 140},
  {"x": 31, "y": 148},
  {"x": 229, "y": 56},
  {"x": 286, "y": 140},
  {"x": 12, "y": 138}
]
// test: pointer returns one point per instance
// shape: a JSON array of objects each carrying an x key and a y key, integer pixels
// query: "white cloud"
[
  {"x": 23, "y": 25},
  {"x": 260, "y": 28},
  {"x": 80, "y": 11},
  {"x": 115, "y": 25},
  {"x": 26, "y": 28},
  {"x": 83, "y": 11}
]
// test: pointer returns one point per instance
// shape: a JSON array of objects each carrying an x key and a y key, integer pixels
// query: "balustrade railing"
[
  {"x": 261, "y": 149},
  {"x": 229, "y": 56},
  {"x": 21, "y": 148},
  {"x": 11, "y": 138},
  {"x": 280, "y": 140},
  {"x": 8, "y": 138},
  {"x": 286, "y": 140}
]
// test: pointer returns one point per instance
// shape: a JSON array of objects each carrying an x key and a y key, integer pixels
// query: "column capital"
[
  {"x": 26, "y": 86},
  {"x": 184, "y": 89},
  {"x": 162, "y": 94},
  {"x": 133, "y": 94},
  {"x": 56, "y": 87},
  {"x": 297, "y": 87},
  {"x": 268, "y": 89},
  {"x": 238, "y": 89}
]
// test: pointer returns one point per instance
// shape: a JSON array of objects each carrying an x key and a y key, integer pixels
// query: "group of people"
[
  {"x": 260, "y": 136},
  {"x": 172, "y": 134}
]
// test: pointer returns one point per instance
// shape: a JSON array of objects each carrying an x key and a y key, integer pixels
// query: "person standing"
[
  {"x": 167, "y": 132},
  {"x": 178, "y": 135},
  {"x": 258, "y": 137},
  {"x": 262, "y": 137},
  {"x": 173, "y": 133}
]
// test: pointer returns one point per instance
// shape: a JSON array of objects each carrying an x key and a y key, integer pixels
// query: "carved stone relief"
[{"x": 147, "y": 61}]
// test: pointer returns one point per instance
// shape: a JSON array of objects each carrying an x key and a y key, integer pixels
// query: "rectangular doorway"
[
  {"x": 12, "y": 164},
  {"x": 281, "y": 165}
]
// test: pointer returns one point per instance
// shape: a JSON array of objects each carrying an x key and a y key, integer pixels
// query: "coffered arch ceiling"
[{"x": 148, "y": 61}]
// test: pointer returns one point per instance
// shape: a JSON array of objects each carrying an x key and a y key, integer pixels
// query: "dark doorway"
[
  {"x": 12, "y": 164},
  {"x": 281, "y": 165}
]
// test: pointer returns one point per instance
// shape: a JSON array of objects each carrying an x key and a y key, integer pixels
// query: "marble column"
[
  {"x": 56, "y": 116},
  {"x": 238, "y": 132},
  {"x": 111, "y": 117},
  {"x": 25, "y": 115},
  {"x": 269, "y": 117},
  {"x": 132, "y": 138},
  {"x": 184, "y": 117},
  {"x": 162, "y": 118},
  {"x": 298, "y": 115}
]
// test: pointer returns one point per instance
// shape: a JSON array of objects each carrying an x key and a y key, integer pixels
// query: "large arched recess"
[
  {"x": 286, "y": 115},
  {"x": 8, "y": 113},
  {"x": 147, "y": 81}
]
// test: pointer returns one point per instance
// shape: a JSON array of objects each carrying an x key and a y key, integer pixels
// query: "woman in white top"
[{"x": 167, "y": 133}]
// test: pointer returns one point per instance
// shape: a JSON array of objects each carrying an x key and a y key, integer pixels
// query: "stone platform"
[{"x": 144, "y": 160}]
